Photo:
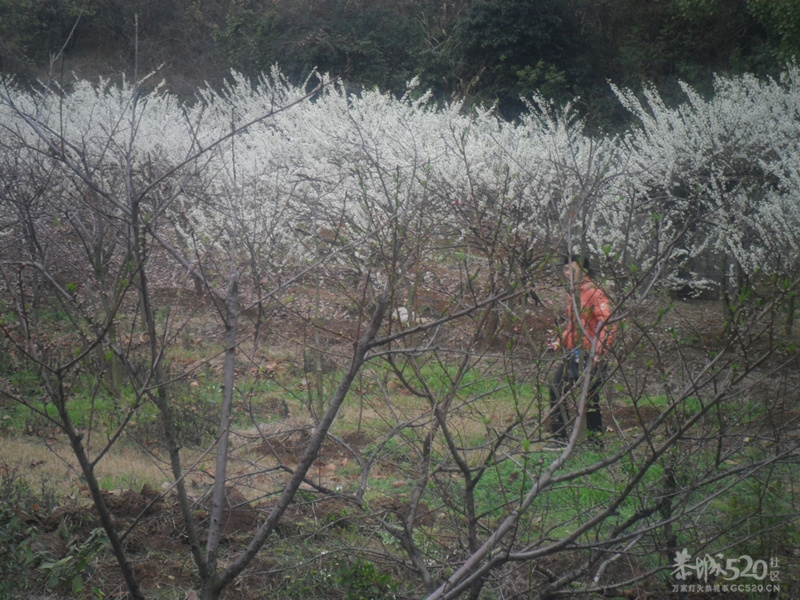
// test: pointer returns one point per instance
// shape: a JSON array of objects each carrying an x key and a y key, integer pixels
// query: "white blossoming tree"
[{"x": 726, "y": 163}]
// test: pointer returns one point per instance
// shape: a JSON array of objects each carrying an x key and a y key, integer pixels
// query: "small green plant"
[
  {"x": 18, "y": 554},
  {"x": 67, "y": 573},
  {"x": 361, "y": 580}
]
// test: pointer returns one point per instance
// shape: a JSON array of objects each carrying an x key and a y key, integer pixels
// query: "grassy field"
[{"x": 386, "y": 468}]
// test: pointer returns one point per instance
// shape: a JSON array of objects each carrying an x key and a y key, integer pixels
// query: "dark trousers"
[{"x": 567, "y": 374}]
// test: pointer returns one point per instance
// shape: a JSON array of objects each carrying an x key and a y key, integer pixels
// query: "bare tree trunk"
[
  {"x": 319, "y": 383},
  {"x": 213, "y": 590},
  {"x": 87, "y": 468},
  {"x": 161, "y": 396},
  {"x": 220, "y": 474}
]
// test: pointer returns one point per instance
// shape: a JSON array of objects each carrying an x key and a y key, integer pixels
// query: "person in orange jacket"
[{"x": 595, "y": 311}]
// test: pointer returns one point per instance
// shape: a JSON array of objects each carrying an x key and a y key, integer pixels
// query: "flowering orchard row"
[{"x": 276, "y": 167}]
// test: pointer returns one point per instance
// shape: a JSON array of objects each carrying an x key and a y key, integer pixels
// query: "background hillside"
[{"x": 481, "y": 50}]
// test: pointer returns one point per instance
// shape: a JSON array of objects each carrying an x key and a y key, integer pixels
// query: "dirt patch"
[
  {"x": 357, "y": 440},
  {"x": 237, "y": 514},
  {"x": 632, "y": 416},
  {"x": 128, "y": 504},
  {"x": 401, "y": 508},
  {"x": 287, "y": 440},
  {"x": 50, "y": 544},
  {"x": 158, "y": 573},
  {"x": 71, "y": 518}
]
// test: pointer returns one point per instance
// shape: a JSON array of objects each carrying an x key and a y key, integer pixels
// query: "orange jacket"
[{"x": 595, "y": 308}]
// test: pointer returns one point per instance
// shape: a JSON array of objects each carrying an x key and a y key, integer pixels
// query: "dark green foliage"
[
  {"x": 481, "y": 51},
  {"x": 517, "y": 47},
  {"x": 366, "y": 43},
  {"x": 781, "y": 22},
  {"x": 32, "y": 30}
]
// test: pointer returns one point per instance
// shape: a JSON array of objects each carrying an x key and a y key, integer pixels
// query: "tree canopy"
[{"x": 483, "y": 51}]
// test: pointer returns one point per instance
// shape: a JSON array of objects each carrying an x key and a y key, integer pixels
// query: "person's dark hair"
[{"x": 571, "y": 258}]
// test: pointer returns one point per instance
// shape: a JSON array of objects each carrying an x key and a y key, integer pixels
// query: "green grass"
[
  {"x": 195, "y": 408},
  {"x": 100, "y": 412},
  {"x": 662, "y": 402},
  {"x": 483, "y": 402},
  {"x": 474, "y": 383}
]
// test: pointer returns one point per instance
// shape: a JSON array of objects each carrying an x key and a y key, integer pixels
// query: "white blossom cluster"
[
  {"x": 265, "y": 166},
  {"x": 728, "y": 164}
]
